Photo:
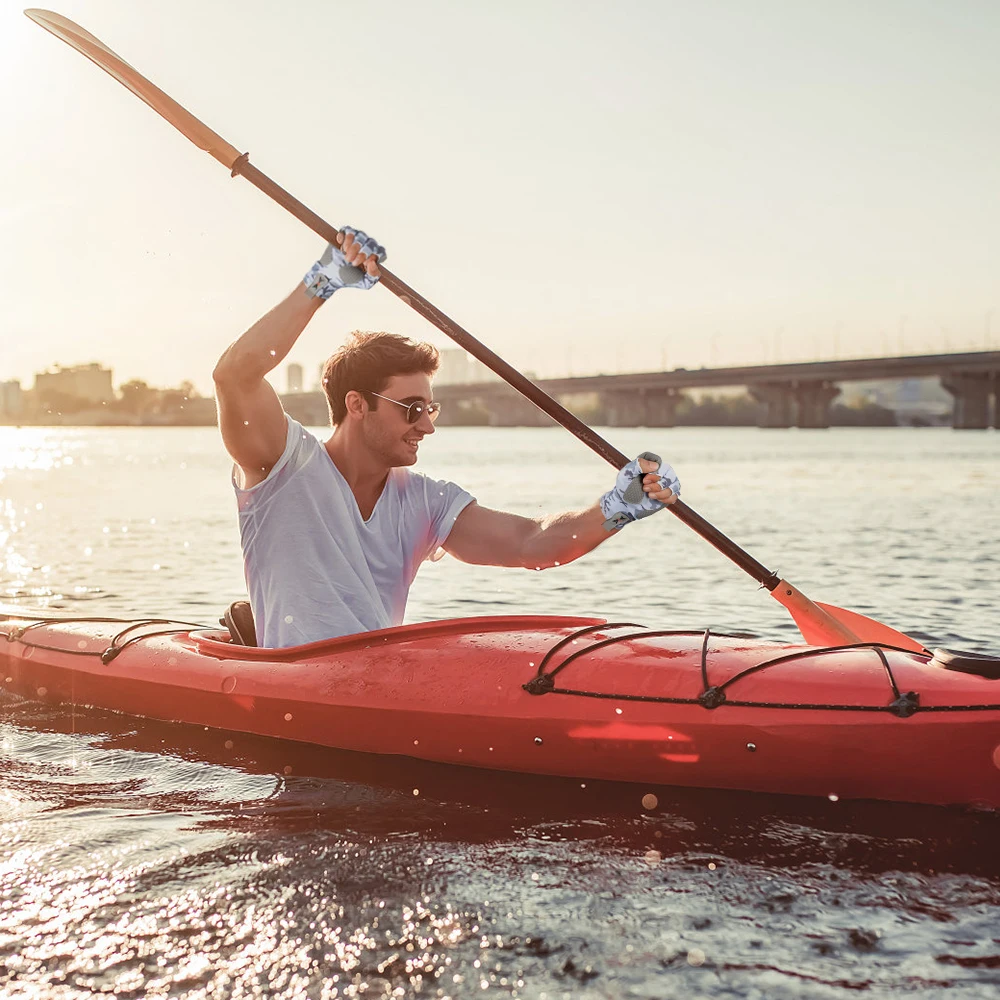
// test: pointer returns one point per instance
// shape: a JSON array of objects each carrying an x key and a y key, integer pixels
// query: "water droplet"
[
  {"x": 82, "y": 644},
  {"x": 618, "y": 711},
  {"x": 538, "y": 740},
  {"x": 416, "y": 742},
  {"x": 289, "y": 619},
  {"x": 42, "y": 692},
  {"x": 288, "y": 716},
  {"x": 752, "y": 747},
  {"x": 287, "y": 769},
  {"x": 696, "y": 957},
  {"x": 228, "y": 744},
  {"x": 650, "y": 801},
  {"x": 416, "y": 791},
  {"x": 711, "y": 866},
  {"x": 833, "y": 797}
]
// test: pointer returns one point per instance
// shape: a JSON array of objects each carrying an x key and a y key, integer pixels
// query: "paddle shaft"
[{"x": 512, "y": 376}]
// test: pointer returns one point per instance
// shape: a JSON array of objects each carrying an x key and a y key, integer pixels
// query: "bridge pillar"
[
  {"x": 777, "y": 403},
  {"x": 625, "y": 408},
  {"x": 513, "y": 410},
  {"x": 814, "y": 399},
  {"x": 661, "y": 407},
  {"x": 972, "y": 399}
]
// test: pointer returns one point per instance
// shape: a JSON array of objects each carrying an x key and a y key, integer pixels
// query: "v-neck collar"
[{"x": 357, "y": 506}]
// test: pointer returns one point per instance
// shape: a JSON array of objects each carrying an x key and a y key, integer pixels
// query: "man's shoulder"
[{"x": 419, "y": 485}]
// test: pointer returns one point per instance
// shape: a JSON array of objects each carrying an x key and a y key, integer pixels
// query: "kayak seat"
[
  {"x": 238, "y": 618},
  {"x": 981, "y": 664}
]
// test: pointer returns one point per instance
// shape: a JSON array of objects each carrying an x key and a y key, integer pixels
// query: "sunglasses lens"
[{"x": 416, "y": 410}]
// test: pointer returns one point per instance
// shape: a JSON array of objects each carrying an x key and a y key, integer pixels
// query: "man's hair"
[{"x": 367, "y": 361}]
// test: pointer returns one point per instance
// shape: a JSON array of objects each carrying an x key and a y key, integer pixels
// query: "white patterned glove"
[
  {"x": 332, "y": 272},
  {"x": 628, "y": 501}
]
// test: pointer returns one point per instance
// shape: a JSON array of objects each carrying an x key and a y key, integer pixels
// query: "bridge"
[{"x": 788, "y": 395}]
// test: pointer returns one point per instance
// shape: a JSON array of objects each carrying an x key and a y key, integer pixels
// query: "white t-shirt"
[{"x": 314, "y": 568}]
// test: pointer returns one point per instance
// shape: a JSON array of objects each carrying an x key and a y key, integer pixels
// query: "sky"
[{"x": 586, "y": 187}]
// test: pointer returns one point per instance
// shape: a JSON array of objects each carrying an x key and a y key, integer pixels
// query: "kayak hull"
[{"x": 625, "y": 705}]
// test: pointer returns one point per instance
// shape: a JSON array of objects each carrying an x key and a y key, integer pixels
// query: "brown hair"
[{"x": 367, "y": 361}]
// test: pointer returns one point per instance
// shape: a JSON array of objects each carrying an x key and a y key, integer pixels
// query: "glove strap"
[{"x": 618, "y": 521}]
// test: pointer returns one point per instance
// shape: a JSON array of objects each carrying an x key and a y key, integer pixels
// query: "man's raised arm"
[{"x": 250, "y": 415}]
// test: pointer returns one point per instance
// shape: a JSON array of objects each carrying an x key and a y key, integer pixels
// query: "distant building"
[
  {"x": 294, "y": 373},
  {"x": 89, "y": 383},
  {"x": 456, "y": 368},
  {"x": 11, "y": 398}
]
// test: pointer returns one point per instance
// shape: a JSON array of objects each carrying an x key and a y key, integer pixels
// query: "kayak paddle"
[{"x": 820, "y": 624}]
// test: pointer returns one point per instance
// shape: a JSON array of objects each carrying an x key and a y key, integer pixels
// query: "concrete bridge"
[{"x": 789, "y": 395}]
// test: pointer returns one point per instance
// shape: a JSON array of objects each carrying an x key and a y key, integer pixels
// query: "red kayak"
[{"x": 578, "y": 697}]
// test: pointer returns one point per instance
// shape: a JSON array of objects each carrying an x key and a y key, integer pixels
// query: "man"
[{"x": 333, "y": 534}]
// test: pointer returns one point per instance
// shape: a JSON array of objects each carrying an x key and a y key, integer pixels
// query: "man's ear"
[{"x": 357, "y": 405}]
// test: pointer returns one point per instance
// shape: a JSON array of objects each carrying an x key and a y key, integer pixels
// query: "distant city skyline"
[{"x": 656, "y": 185}]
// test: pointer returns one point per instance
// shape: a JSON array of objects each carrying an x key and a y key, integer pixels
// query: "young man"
[{"x": 333, "y": 534}]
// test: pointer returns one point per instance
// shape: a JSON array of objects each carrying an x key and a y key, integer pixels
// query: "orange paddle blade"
[
  {"x": 97, "y": 52},
  {"x": 870, "y": 630},
  {"x": 828, "y": 625}
]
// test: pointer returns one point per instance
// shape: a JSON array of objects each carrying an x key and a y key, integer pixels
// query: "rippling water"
[{"x": 148, "y": 859}]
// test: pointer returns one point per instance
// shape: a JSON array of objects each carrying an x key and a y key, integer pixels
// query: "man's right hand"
[{"x": 351, "y": 262}]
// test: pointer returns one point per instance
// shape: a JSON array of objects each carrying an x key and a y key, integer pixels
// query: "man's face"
[{"x": 387, "y": 432}]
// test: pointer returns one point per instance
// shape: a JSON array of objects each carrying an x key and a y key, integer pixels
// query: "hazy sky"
[{"x": 584, "y": 186}]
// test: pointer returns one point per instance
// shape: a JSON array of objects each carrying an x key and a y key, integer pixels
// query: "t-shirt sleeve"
[
  {"x": 445, "y": 501},
  {"x": 300, "y": 447}
]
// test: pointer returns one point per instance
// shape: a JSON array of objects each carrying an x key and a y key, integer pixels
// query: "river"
[{"x": 142, "y": 859}]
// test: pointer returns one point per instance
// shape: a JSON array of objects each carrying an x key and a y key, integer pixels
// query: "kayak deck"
[{"x": 578, "y": 697}]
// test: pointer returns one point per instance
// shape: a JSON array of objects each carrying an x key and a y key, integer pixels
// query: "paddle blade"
[
  {"x": 818, "y": 626},
  {"x": 828, "y": 625},
  {"x": 97, "y": 52},
  {"x": 869, "y": 630}
]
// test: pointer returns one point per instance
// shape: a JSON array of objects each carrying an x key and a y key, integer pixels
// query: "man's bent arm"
[
  {"x": 251, "y": 419},
  {"x": 496, "y": 538}
]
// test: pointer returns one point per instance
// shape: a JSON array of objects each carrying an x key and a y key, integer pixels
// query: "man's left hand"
[{"x": 643, "y": 487}]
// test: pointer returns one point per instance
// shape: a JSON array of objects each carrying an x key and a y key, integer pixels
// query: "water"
[{"x": 148, "y": 859}]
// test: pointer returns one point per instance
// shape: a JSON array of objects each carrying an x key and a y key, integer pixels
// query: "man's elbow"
[{"x": 229, "y": 373}]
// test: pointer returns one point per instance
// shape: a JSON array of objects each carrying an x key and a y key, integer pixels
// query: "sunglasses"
[{"x": 415, "y": 410}]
